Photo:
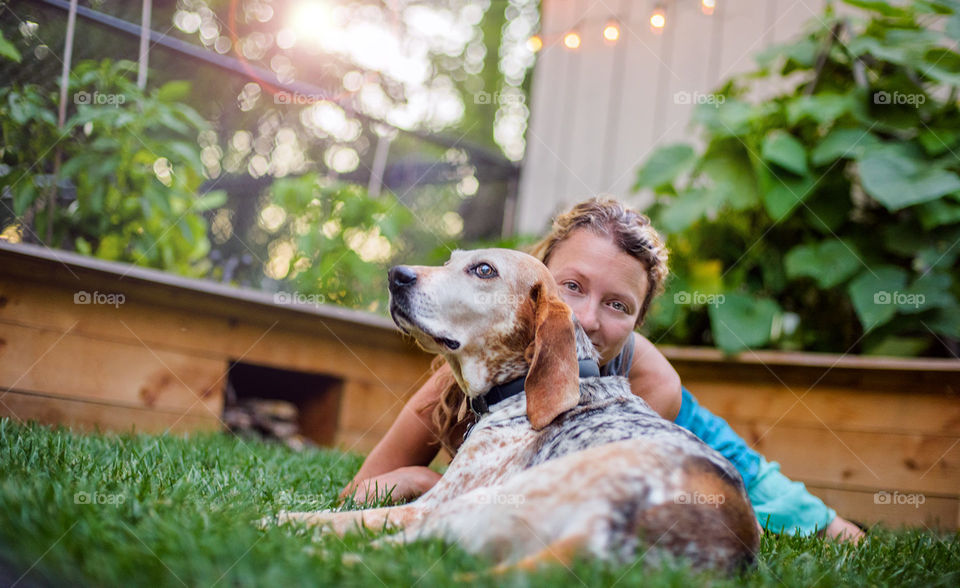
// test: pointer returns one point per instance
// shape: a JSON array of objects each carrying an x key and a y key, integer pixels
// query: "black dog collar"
[{"x": 589, "y": 368}]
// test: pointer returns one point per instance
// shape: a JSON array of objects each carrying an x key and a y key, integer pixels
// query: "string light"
[
  {"x": 535, "y": 43},
  {"x": 572, "y": 40},
  {"x": 611, "y": 32},
  {"x": 658, "y": 19}
]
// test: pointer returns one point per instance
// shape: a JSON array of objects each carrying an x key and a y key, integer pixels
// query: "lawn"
[{"x": 166, "y": 510}]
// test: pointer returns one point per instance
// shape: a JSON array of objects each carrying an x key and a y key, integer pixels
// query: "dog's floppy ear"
[{"x": 553, "y": 382}]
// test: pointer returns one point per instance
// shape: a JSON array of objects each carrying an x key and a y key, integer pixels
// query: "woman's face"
[{"x": 603, "y": 285}]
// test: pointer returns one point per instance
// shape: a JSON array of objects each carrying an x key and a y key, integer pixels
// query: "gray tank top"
[{"x": 620, "y": 365}]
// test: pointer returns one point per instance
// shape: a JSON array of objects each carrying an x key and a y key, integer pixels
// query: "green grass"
[{"x": 180, "y": 511}]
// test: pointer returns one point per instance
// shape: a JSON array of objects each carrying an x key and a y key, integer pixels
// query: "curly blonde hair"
[{"x": 629, "y": 229}]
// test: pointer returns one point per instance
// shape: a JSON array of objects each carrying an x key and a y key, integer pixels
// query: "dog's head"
[{"x": 494, "y": 314}]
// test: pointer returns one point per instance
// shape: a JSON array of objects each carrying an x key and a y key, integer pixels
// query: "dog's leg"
[
  {"x": 342, "y": 522},
  {"x": 560, "y": 552}
]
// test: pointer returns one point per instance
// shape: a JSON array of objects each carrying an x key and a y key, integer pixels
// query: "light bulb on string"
[
  {"x": 708, "y": 6},
  {"x": 535, "y": 43},
  {"x": 571, "y": 40},
  {"x": 658, "y": 19},
  {"x": 611, "y": 31}
]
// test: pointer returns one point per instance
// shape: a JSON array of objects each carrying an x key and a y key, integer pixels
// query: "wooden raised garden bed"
[{"x": 877, "y": 438}]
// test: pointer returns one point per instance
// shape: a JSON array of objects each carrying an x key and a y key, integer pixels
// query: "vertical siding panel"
[
  {"x": 598, "y": 112},
  {"x": 689, "y": 65},
  {"x": 637, "y": 107},
  {"x": 541, "y": 164}
]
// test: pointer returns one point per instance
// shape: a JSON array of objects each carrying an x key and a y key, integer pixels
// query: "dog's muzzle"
[{"x": 401, "y": 280}]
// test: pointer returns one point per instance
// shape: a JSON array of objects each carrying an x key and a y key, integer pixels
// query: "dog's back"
[{"x": 610, "y": 475}]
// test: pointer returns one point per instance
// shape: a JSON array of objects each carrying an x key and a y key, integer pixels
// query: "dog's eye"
[{"x": 484, "y": 270}]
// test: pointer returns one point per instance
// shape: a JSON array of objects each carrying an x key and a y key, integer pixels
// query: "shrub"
[{"x": 827, "y": 215}]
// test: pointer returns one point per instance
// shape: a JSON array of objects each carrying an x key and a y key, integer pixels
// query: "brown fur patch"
[{"x": 553, "y": 383}]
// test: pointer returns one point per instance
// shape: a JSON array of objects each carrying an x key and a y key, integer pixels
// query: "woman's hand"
[
  {"x": 843, "y": 530},
  {"x": 401, "y": 484}
]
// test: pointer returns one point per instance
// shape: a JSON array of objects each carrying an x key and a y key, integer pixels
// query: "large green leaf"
[
  {"x": 822, "y": 108},
  {"x": 893, "y": 176},
  {"x": 952, "y": 27},
  {"x": 664, "y": 165},
  {"x": 8, "y": 50},
  {"x": 938, "y": 213},
  {"x": 872, "y": 294},
  {"x": 884, "y": 7},
  {"x": 687, "y": 208},
  {"x": 732, "y": 118},
  {"x": 742, "y": 322},
  {"x": 843, "y": 143},
  {"x": 728, "y": 168},
  {"x": 929, "y": 291},
  {"x": 937, "y": 141},
  {"x": 945, "y": 321},
  {"x": 829, "y": 263},
  {"x": 942, "y": 65},
  {"x": 782, "y": 194},
  {"x": 785, "y": 150},
  {"x": 802, "y": 52}
]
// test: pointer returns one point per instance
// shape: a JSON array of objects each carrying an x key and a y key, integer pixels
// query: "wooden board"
[
  {"x": 843, "y": 409},
  {"x": 914, "y": 463},
  {"x": 893, "y": 510},
  {"x": 283, "y": 343},
  {"x": 85, "y": 415},
  {"x": 130, "y": 374},
  {"x": 371, "y": 407}
]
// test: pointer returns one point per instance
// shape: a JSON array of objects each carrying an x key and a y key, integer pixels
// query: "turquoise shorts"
[{"x": 781, "y": 505}]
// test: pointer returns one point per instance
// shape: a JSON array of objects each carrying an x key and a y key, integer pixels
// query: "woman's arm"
[
  {"x": 654, "y": 379},
  {"x": 399, "y": 460}
]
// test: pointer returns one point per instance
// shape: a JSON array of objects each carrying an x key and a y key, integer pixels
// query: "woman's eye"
[
  {"x": 571, "y": 286},
  {"x": 484, "y": 270},
  {"x": 620, "y": 306}
]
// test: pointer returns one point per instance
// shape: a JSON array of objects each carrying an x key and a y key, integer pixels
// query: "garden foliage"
[{"x": 823, "y": 210}]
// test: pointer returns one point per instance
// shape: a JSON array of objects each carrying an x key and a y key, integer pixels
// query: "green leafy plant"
[
  {"x": 826, "y": 216},
  {"x": 332, "y": 240},
  {"x": 126, "y": 168}
]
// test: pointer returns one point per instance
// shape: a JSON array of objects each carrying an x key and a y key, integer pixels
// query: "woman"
[{"x": 609, "y": 263}]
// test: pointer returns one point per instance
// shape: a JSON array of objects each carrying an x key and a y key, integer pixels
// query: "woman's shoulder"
[{"x": 653, "y": 378}]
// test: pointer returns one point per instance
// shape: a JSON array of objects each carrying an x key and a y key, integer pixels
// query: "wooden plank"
[
  {"x": 832, "y": 361},
  {"x": 36, "y": 263},
  {"x": 282, "y": 344},
  {"x": 842, "y": 408},
  {"x": 370, "y": 406},
  {"x": 90, "y": 416},
  {"x": 908, "y": 463},
  {"x": 72, "y": 365},
  {"x": 891, "y": 509}
]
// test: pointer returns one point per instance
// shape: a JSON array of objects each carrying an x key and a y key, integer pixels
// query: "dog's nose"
[{"x": 401, "y": 276}]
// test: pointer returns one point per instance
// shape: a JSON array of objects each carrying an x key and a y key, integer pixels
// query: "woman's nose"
[{"x": 587, "y": 317}]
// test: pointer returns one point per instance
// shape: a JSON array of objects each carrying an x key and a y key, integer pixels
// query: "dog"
[{"x": 572, "y": 463}]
